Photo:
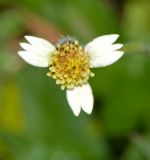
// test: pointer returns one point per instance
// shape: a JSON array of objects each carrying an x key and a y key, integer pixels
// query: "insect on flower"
[{"x": 70, "y": 64}]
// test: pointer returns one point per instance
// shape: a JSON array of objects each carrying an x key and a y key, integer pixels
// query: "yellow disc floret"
[{"x": 70, "y": 65}]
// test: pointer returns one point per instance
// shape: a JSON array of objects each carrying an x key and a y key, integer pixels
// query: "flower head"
[{"x": 70, "y": 64}]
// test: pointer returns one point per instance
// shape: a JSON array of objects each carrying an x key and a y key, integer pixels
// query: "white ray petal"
[
  {"x": 73, "y": 100},
  {"x": 99, "y": 51},
  {"x": 38, "y": 52},
  {"x": 101, "y": 42},
  {"x": 106, "y": 39},
  {"x": 26, "y": 46},
  {"x": 39, "y": 41},
  {"x": 117, "y": 46},
  {"x": 34, "y": 60},
  {"x": 107, "y": 59},
  {"x": 86, "y": 98},
  {"x": 102, "y": 50},
  {"x": 29, "y": 47}
]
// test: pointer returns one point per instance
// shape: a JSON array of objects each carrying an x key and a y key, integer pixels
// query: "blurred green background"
[{"x": 36, "y": 122}]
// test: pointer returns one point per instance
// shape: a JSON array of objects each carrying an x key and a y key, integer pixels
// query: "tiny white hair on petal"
[
  {"x": 38, "y": 52},
  {"x": 86, "y": 98},
  {"x": 102, "y": 51},
  {"x": 73, "y": 100}
]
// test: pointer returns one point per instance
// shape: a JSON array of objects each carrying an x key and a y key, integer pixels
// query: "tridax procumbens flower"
[{"x": 70, "y": 63}]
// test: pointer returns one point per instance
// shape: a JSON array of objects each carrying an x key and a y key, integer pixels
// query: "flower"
[{"x": 70, "y": 63}]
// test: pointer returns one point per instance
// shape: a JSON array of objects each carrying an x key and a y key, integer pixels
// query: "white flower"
[{"x": 69, "y": 64}]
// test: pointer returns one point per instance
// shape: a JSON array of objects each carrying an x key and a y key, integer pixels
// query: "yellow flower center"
[{"x": 70, "y": 65}]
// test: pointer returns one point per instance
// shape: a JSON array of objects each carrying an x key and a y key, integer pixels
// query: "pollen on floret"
[{"x": 70, "y": 65}]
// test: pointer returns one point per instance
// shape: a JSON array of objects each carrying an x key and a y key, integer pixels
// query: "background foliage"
[{"x": 36, "y": 122}]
